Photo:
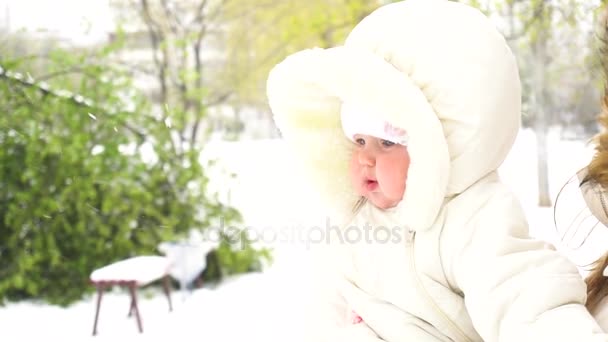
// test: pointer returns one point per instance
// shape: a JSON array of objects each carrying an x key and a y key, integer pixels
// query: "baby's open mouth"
[{"x": 371, "y": 184}]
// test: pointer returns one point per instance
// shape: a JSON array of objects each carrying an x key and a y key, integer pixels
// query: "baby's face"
[{"x": 378, "y": 170}]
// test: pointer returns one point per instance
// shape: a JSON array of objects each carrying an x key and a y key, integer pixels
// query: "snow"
[
  {"x": 142, "y": 269},
  {"x": 187, "y": 259},
  {"x": 237, "y": 310},
  {"x": 265, "y": 306}
]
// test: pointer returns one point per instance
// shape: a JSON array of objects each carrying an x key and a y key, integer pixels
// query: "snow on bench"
[{"x": 141, "y": 270}]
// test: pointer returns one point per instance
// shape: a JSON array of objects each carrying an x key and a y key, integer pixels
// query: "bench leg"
[
  {"x": 167, "y": 290},
  {"x": 131, "y": 307},
  {"x": 133, "y": 291},
  {"x": 100, "y": 289}
]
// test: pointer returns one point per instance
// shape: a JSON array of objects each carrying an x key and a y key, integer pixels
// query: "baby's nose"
[{"x": 367, "y": 158}]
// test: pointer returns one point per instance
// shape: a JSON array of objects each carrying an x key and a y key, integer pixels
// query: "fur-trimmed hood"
[{"x": 437, "y": 68}]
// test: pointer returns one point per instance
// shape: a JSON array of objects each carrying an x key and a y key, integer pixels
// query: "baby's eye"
[
  {"x": 360, "y": 141},
  {"x": 387, "y": 143}
]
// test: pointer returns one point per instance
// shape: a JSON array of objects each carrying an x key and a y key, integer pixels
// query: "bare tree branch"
[
  {"x": 534, "y": 18},
  {"x": 157, "y": 39},
  {"x": 201, "y": 21},
  {"x": 71, "y": 70},
  {"x": 219, "y": 99},
  {"x": 200, "y": 13},
  {"x": 174, "y": 23}
]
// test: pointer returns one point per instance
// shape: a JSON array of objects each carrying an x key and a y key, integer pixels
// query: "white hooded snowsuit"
[{"x": 464, "y": 268}]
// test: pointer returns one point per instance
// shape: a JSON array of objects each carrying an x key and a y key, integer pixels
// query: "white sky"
[{"x": 81, "y": 21}]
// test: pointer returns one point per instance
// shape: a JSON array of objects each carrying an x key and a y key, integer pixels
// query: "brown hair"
[
  {"x": 597, "y": 283},
  {"x": 598, "y": 167}
]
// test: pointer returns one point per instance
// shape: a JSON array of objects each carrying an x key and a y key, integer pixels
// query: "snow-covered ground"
[{"x": 264, "y": 307}]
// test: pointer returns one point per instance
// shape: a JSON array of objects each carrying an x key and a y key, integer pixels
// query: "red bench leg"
[
  {"x": 167, "y": 290},
  {"x": 100, "y": 289},
  {"x": 133, "y": 291},
  {"x": 131, "y": 307}
]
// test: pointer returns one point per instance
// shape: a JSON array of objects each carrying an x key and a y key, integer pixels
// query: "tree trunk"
[
  {"x": 541, "y": 121},
  {"x": 541, "y": 129}
]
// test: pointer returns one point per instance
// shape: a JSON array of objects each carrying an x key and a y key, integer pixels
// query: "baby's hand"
[{"x": 356, "y": 319}]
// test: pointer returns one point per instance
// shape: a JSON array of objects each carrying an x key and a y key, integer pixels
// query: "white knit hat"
[{"x": 357, "y": 121}]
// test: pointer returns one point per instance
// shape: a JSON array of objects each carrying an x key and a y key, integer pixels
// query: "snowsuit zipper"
[{"x": 455, "y": 329}]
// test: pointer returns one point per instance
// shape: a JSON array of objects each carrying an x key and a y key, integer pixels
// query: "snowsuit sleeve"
[{"x": 517, "y": 288}]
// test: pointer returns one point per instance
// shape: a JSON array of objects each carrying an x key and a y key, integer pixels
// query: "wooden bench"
[{"x": 131, "y": 273}]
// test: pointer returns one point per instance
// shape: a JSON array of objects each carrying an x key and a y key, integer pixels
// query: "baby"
[{"x": 401, "y": 131}]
